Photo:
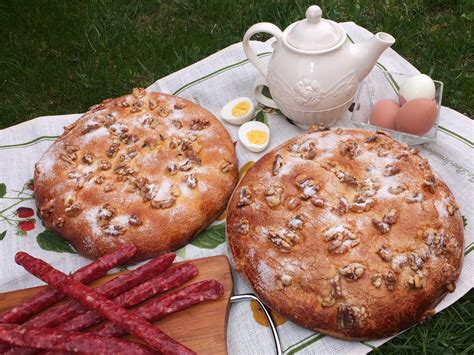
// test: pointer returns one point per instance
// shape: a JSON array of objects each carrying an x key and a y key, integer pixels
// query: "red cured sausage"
[
  {"x": 52, "y": 339},
  {"x": 49, "y": 296},
  {"x": 70, "y": 309},
  {"x": 129, "y": 321},
  {"x": 110, "y": 289},
  {"x": 170, "y": 279},
  {"x": 170, "y": 303}
]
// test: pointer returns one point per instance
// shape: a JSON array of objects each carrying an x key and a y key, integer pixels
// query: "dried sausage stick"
[
  {"x": 170, "y": 279},
  {"x": 52, "y": 339},
  {"x": 170, "y": 303},
  {"x": 173, "y": 302},
  {"x": 122, "y": 283},
  {"x": 110, "y": 289},
  {"x": 49, "y": 296},
  {"x": 129, "y": 321}
]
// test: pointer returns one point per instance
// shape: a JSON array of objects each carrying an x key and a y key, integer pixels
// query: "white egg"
[
  {"x": 238, "y": 111},
  {"x": 254, "y": 136},
  {"x": 417, "y": 87}
]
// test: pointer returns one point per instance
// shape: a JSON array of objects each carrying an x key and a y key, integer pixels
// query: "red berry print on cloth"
[
  {"x": 25, "y": 212},
  {"x": 13, "y": 211},
  {"x": 16, "y": 217},
  {"x": 25, "y": 226}
]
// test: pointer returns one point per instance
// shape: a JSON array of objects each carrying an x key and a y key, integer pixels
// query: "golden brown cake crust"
[
  {"x": 147, "y": 168},
  {"x": 346, "y": 232}
]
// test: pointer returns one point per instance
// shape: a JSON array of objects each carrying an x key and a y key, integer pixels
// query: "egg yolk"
[
  {"x": 240, "y": 109},
  {"x": 257, "y": 137}
]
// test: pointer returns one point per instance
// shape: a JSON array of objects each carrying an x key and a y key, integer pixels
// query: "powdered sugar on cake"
[
  {"x": 93, "y": 136},
  {"x": 358, "y": 225},
  {"x": 91, "y": 218},
  {"x": 441, "y": 208},
  {"x": 152, "y": 160},
  {"x": 266, "y": 275}
]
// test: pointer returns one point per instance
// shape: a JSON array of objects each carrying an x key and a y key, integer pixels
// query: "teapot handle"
[
  {"x": 259, "y": 27},
  {"x": 257, "y": 93}
]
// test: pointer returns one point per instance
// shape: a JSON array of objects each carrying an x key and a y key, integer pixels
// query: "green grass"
[
  {"x": 63, "y": 56},
  {"x": 449, "y": 332}
]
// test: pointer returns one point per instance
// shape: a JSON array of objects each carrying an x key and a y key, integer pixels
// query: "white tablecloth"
[{"x": 213, "y": 82}]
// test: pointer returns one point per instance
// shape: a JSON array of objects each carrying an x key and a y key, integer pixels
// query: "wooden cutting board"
[{"x": 202, "y": 327}]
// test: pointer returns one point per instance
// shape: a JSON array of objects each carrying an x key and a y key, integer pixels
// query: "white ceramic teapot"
[{"x": 315, "y": 71}]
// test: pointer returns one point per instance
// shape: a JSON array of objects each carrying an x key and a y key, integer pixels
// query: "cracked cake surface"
[
  {"x": 346, "y": 232},
  {"x": 146, "y": 168}
]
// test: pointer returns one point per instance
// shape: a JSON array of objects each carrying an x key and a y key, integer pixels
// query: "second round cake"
[{"x": 346, "y": 232}]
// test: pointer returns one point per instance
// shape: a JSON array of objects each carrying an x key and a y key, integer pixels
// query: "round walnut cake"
[
  {"x": 147, "y": 168},
  {"x": 346, "y": 232}
]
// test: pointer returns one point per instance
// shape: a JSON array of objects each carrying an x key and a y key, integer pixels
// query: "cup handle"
[
  {"x": 257, "y": 93},
  {"x": 249, "y": 52}
]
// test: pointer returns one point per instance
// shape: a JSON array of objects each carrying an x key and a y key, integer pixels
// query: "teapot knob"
[{"x": 313, "y": 14}]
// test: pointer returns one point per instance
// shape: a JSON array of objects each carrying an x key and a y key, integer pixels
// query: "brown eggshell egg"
[
  {"x": 383, "y": 114},
  {"x": 417, "y": 116}
]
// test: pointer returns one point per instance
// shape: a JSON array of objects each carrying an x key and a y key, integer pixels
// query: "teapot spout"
[{"x": 365, "y": 54}]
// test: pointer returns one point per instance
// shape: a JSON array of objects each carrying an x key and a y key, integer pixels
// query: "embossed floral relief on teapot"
[{"x": 315, "y": 71}]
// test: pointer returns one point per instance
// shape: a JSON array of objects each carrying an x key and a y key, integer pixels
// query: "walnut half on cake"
[
  {"x": 147, "y": 168},
  {"x": 346, "y": 232}
]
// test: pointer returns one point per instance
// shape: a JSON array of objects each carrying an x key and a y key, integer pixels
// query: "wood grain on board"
[{"x": 202, "y": 327}]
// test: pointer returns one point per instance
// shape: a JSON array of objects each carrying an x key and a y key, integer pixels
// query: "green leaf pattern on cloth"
[
  {"x": 3, "y": 234},
  {"x": 261, "y": 117},
  {"x": 181, "y": 252},
  {"x": 3, "y": 189},
  {"x": 51, "y": 241},
  {"x": 210, "y": 238},
  {"x": 266, "y": 92}
]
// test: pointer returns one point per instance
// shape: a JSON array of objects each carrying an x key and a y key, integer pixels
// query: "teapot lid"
[{"x": 314, "y": 33}]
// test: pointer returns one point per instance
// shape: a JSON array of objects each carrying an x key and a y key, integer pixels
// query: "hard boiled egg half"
[
  {"x": 238, "y": 111},
  {"x": 254, "y": 136}
]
